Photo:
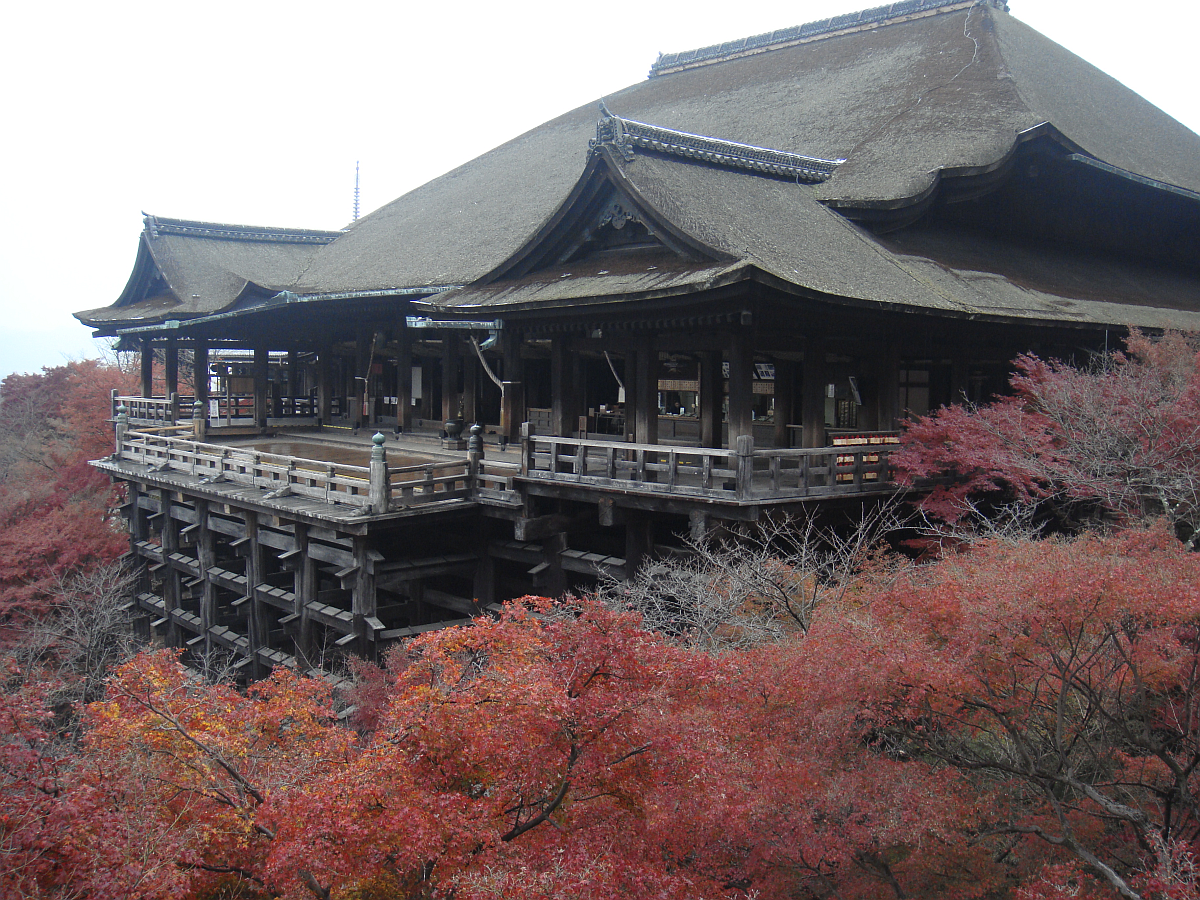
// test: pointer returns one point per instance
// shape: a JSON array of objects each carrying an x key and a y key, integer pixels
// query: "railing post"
[
  {"x": 113, "y": 402},
  {"x": 380, "y": 489},
  {"x": 527, "y": 463},
  {"x": 199, "y": 421},
  {"x": 745, "y": 465},
  {"x": 121, "y": 425},
  {"x": 173, "y": 413},
  {"x": 474, "y": 455}
]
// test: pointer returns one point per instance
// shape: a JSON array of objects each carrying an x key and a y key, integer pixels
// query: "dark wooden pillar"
[
  {"x": 404, "y": 362},
  {"x": 741, "y": 386},
  {"x": 512, "y": 406},
  {"x": 261, "y": 372},
  {"x": 147, "y": 361},
  {"x": 324, "y": 384},
  {"x": 960, "y": 379},
  {"x": 305, "y": 589},
  {"x": 200, "y": 373},
  {"x": 815, "y": 377},
  {"x": 170, "y": 575},
  {"x": 450, "y": 363},
  {"x": 171, "y": 366},
  {"x": 712, "y": 392},
  {"x": 206, "y": 555},
  {"x": 785, "y": 385},
  {"x": 362, "y": 362},
  {"x": 563, "y": 390},
  {"x": 639, "y": 541},
  {"x": 293, "y": 382},
  {"x": 471, "y": 373},
  {"x": 888, "y": 401},
  {"x": 362, "y": 601},
  {"x": 258, "y": 624},
  {"x": 645, "y": 390}
]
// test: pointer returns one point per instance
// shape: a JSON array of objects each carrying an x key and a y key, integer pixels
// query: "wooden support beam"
[
  {"x": 785, "y": 380},
  {"x": 260, "y": 371},
  {"x": 814, "y": 380},
  {"x": 200, "y": 373},
  {"x": 170, "y": 575},
  {"x": 563, "y": 390},
  {"x": 645, "y": 390},
  {"x": 404, "y": 361},
  {"x": 147, "y": 367},
  {"x": 324, "y": 384},
  {"x": 450, "y": 375},
  {"x": 363, "y": 599},
  {"x": 207, "y": 559},
  {"x": 171, "y": 366},
  {"x": 512, "y": 408},
  {"x": 362, "y": 377},
  {"x": 259, "y": 625},
  {"x": 712, "y": 392},
  {"x": 741, "y": 386}
]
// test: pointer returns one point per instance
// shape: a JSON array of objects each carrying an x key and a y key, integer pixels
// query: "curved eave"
[{"x": 889, "y": 213}]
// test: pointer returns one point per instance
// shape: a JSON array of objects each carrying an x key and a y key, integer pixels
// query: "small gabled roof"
[{"x": 186, "y": 269}]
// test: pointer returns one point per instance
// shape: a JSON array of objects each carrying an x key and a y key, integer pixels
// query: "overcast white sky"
[{"x": 255, "y": 112}]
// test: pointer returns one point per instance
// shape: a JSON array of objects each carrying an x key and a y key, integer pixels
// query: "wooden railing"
[
  {"x": 153, "y": 410},
  {"x": 375, "y": 488},
  {"x": 741, "y": 475}
]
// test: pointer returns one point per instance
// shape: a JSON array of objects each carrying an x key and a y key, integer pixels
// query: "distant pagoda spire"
[{"x": 355, "y": 219}]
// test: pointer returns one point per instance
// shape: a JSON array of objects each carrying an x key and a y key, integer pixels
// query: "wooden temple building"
[{"x": 716, "y": 293}]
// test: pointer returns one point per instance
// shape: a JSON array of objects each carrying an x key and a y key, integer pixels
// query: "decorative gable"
[{"x": 603, "y": 215}]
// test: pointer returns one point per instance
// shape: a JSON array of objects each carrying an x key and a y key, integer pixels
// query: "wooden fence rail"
[
  {"x": 743, "y": 474},
  {"x": 376, "y": 488}
]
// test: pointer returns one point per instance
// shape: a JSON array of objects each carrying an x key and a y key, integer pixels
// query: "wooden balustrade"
[
  {"x": 162, "y": 411},
  {"x": 376, "y": 488},
  {"x": 743, "y": 474}
]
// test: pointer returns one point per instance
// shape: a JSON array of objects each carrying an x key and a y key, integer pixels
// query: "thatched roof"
[{"x": 893, "y": 105}]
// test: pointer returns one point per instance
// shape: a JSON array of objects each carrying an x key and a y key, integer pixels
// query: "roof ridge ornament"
[
  {"x": 157, "y": 225},
  {"x": 900, "y": 11},
  {"x": 626, "y": 135}
]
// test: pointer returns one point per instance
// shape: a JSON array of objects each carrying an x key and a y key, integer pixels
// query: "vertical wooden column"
[
  {"x": 362, "y": 602},
  {"x": 258, "y": 624},
  {"x": 171, "y": 366},
  {"x": 562, "y": 388},
  {"x": 484, "y": 583},
  {"x": 512, "y": 407},
  {"x": 260, "y": 369},
  {"x": 361, "y": 375},
  {"x": 293, "y": 382},
  {"x": 645, "y": 390},
  {"x": 450, "y": 362},
  {"x": 305, "y": 590},
  {"x": 960, "y": 378},
  {"x": 147, "y": 367},
  {"x": 170, "y": 575},
  {"x": 200, "y": 373},
  {"x": 741, "y": 386},
  {"x": 815, "y": 376},
  {"x": 471, "y": 373},
  {"x": 324, "y": 384},
  {"x": 639, "y": 541},
  {"x": 404, "y": 362},
  {"x": 712, "y": 392},
  {"x": 888, "y": 401},
  {"x": 785, "y": 386},
  {"x": 206, "y": 555}
]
